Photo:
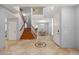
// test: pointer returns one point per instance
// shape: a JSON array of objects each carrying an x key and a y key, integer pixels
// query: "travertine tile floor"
[{"x": 27, "y": 47}]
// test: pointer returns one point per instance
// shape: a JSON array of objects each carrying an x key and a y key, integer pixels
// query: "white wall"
[
  {"x": 64, "y": 20},
  {"x": 20, "y": 21},
  {"x": 29, "y": 21},
  {"x": 48, "y": 11},
  {"x": 19, "y": 25},
  {"x": 35, "y": 22},
  {"x": 56, "y": 27},
  {"x": 15, "y": 21},
  {"x": 2, "y": 29},
  {"x": 77, "y": 25},
  {"x": 50, "y": 26},
  {"x": 27, "y": 11},
  {"x": 36, "y": 18},
  {"x": 68, "y": 39}
]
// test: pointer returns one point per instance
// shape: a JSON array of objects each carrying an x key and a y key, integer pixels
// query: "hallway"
[
  {"x": 27, "y": 34},
  {"x": 29, "y": 28},
  {"x": 27, "y": 47}
]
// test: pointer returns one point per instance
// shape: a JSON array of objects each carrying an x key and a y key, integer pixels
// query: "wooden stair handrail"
[
  {"x": 24, "y": 21},
  {"x": 22, "y": 27},
  {"x": 34, "y": 31}
]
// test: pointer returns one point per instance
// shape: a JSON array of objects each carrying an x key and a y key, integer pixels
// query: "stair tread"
[{"x": 27, "y": 34}]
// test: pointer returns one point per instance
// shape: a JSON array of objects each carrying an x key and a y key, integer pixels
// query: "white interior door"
[{"x": 12, "y": 30}]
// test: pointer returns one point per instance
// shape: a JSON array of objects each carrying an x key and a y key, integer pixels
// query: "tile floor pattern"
[{"x": 27, "y": 47}]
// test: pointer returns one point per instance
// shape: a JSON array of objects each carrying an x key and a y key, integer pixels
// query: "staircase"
[{"x": 27, "y": 34}]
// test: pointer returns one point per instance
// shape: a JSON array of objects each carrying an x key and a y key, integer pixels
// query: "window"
[{"x": 37, "y": 10}]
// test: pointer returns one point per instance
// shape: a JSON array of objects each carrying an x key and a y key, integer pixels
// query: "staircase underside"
[{"x": 27, "y": 34}]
